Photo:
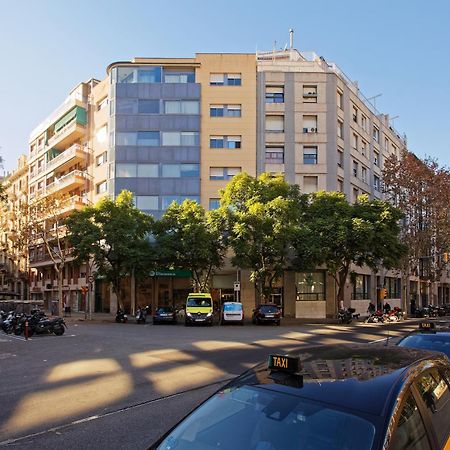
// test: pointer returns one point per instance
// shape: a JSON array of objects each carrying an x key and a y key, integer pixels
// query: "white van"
[{"x": 232, "y": 312}]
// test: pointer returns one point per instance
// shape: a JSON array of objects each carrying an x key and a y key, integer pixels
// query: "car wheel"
[{"x": 278, "y": 323}]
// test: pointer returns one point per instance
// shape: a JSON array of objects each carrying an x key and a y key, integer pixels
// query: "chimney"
[{"x": 291, "y": 39}]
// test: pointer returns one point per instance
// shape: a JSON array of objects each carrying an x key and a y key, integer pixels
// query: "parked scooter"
[
  {"x": 141, "y": 314},
  {"x": 38, "y": 323},
  {"x": 347, "y": 315},
  {"x": 376, "y": 317},
  {"x": 121, "y": 317}
]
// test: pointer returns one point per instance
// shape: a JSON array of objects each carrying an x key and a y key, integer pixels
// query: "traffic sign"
[
  {"x": 237, "y": 286},
  {"x": 90, "y": 279}
]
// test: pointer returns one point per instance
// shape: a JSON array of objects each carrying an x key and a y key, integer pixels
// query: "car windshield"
[
  {"x": 437, "y": 342},
  {"x": 199, "y": 302},
  {"x": 269, "y": 309},
  {"x": 165, "y": 309},
  {"x": 252, "y": 418},
  {"x": 232, "y": 307}
]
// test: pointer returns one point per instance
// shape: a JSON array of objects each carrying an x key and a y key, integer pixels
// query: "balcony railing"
[
  {"x": 74, "y": 177},
  {"x": 66, "y": 155},
  {"x": 65, "y": 131}
]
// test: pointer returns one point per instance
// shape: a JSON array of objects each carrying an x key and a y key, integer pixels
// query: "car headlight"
[
  {"x": 189, "y": 314},
  {"x": 209, "y": 314}
]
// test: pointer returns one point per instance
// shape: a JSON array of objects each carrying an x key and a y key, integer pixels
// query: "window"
[
  {"x": 233, "y": 141},
  {"x": 102, "y": 134},
  {"x": 225, "y": 111},
  {"x": 223, "y": 173},
  {"x": 137, "y": 74},
  {"x": 149, "y": 75},
  {"x": 354, "y": 114},
  {"x": 363, "y": 147},
  {"x": 166, "y": 200},
  {"x": 376, "y": 134},
  {"x": 364, "y": 122},
  {"x": 275, "y": 155},
  {"x": 340, "y": 99},
  {"x": 148, "y": 138},
  {"x": 376, "y": 182},
  {"x": 147, "y": 170},
  {"x": 225, "y": 141},
  {"x": 340, "y": 161},
  {"x": 148, "y": 106},
  {"x": 275, "y": 124},
  {"x": 147, "y": 202},
  {"x": 125, "y": 106},
  {"x": 214, "y": 203},
  {"x": 126, "y": 170},
  {"x": 355, "y": 169},
  {"x": 364, "y": 174},
  {"x": 223, "y": 79},
  {"x": 394, "y": 150},
  {"x": 176, "y": 76},
  {"x": 310, "y": 286},
  {"x": 355, "y": 141},
  {"x": 309, "y": 124},
  {"x": 177, "y": 138},
  {"x": 376, "y": 158},
  {"x": 310, "y": 155},
  {"x": 182, "y": 107},
  {"x": 410, "y": 432},
  {"x": 340, "y": 185},
  {"x": 355, "y": 194},
  {"x": 217, "y": 141},
  {"x": 435, "y": 393},
  {"x": 102, "y": 104},
  {"x": 386, "y": 143},
  {"x": 101, "y": 188},
  {"x": 310, "y": 94},
  {"x": 310, "y": 184},
  {"x": 361, "y": 287},
  {"x": 340, "y": 129},
  {"x": 274, "y": 94},
  {"x": 101, "y": 159},
  {"x": 180, "y": 170}
]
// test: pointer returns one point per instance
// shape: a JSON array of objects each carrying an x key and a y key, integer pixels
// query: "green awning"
[
  {"x": 77, "y": 113},
  {"x": 171, "y": 273},
  {"x": 52, "y": 153}
]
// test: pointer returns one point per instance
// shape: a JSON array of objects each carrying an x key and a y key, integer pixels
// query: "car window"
[
  {"x": 199, "y": 302},
  {"x": 410, "y": 433},
  {"x": 251, "y": 418},
  {"x": 269, "y": 309},
  {"x": 165, "y": 309},
  {"x": 232, "y": 307},
  {"x": 436, "y": 396}
]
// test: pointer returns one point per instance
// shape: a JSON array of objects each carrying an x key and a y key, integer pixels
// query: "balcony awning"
[{"x": 77, "y": 113}]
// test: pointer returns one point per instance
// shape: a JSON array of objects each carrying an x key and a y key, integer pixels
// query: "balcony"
[
  {"x": 68, "y": 182},
  {"x": 67, "y": 134},
  {"x": 67, "y": 158},
  {"x": 75, "y": 203}
]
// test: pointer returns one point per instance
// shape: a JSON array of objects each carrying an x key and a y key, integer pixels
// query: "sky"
[{"x": 397, "y": 48}]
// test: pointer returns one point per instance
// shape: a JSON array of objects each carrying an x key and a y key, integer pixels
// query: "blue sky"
[{"x": 399, "y": 48}]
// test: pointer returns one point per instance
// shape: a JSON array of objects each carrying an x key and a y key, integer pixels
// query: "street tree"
[
  {"x": 114, "y": 235},
  {"x": 188, "y": 237},
  {"x": 421, "y": 190},
  {"x": 261, "y": 214},
  {"x": 337, "y": 235}
]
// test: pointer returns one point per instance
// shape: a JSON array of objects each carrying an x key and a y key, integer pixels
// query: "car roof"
[
  {"x": 365, "y": 378},
  {"x": 232, "y": 303}
]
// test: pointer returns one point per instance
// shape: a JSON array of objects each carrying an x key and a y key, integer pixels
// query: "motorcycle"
[
  {"x": 375, "y": 317},
  {"x": 8, "y": 322},
  {"x": 347, "y": 315},
  {"x": 141, "y": 314},
  {"x": 121, "y": 317},
  {"x": 38, "y": 323}
]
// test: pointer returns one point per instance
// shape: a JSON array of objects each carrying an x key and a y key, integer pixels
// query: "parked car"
[
  {"x": 199, "y": 309},
  {"x": 266, "y": 313},
  {"x": 232, "y": 312},
  {"x": 337, "y": 397},
  {"x": 164, "y": 314},
  {"x": 430, "y": 336}
]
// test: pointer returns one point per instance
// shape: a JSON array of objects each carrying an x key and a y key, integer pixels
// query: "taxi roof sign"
[
  {"x": 427, "y": 325},
  {"x": 284, "y": 363}
]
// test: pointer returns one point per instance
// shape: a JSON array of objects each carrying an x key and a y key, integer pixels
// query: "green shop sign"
[{"x": 171, "y": 273}]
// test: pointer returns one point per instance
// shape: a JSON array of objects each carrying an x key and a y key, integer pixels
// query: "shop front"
[{"x": 310, "y": 289}]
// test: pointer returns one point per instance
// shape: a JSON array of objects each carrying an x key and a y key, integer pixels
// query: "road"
[{"x": 111, "y": 386}]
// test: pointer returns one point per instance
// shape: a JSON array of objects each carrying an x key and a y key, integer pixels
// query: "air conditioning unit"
[
  {"x": 313, "y": 130},
  {"x": 305, "y": 130}
]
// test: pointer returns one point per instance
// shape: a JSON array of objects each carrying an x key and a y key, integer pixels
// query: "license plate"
[
  {"x": 199, "y": 320},
  {"x": 269, "y": 315}
]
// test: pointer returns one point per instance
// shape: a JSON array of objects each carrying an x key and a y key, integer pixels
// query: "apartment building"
[
  {"x": 175, "y": 128},
  {"x": 13, "y": 251}
]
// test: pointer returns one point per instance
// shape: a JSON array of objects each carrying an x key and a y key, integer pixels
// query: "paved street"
[{"x": 107, "y": 385}]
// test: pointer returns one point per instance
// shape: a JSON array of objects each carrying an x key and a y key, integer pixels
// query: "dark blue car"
[{"x": 326, "y": 398}]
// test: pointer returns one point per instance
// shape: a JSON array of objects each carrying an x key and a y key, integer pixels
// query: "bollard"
[{"x": 26, "y": 330}]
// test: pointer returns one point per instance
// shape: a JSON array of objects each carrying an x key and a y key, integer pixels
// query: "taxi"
[
  {"x": 430, "y": 336},
  {"x": 326, "y": 398}
]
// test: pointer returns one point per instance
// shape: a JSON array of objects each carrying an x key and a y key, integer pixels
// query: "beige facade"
[{"x": 13, "y": 251}]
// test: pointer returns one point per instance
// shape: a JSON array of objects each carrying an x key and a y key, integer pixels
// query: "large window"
[
  {"x": 361, "y": 287},
  {"x": 309, "y": 124},
  {"x": 126, "y": 106},
  {"x": 180, "y": 170},
  {"x": 392, "y": 286},
  {"x": 310, "y": 286},
  {"x": 310, "y": 155},
  {"x": 148, "y": 106},
  {"x": 147, "y": 202},
  {"x": 214, "y": 203},
  {"x": 166, "y": 200},
  {"x": 225, "y": 79},
  {"x": 310, "y": 184},
  {"x": 225, "y": 110},
  {"x": 223, "y": 173},
  {"x": 126, "y": 170},
  {"x": 225, "y": 141},
  {"x": 137, "y": 74},
  {"x": 182, "y": 107},
  {"x": 275, "y": 155},
  {"x": 274, "y": 94},
  {"x": 310, "y": 94},
  {"x": 177, "y": 138},
  {"x": 177, "y": 76},
  {"x": 150, "y": 138},
  {"x": 147, "y": 170}
]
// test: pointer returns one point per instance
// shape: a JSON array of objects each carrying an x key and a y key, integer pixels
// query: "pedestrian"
[
  {"x": 371, "y": 308},
  {"x": 387, "y": 308}
]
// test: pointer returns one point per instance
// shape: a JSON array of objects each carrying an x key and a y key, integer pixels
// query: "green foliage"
[
  {"x": 336, "y": 234},
  {"x": 114, "y": 234},
  {"x": 188, "y": 237},
  {"x": 262, "y": 214}
]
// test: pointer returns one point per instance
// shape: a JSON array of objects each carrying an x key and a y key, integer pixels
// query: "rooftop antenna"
[
  {"x": 374, "y": 99},
  {"x": 291, "y": 39}
]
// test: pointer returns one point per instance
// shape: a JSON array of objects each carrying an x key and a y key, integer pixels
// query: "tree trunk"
[{"x": 60, "y": 291}]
